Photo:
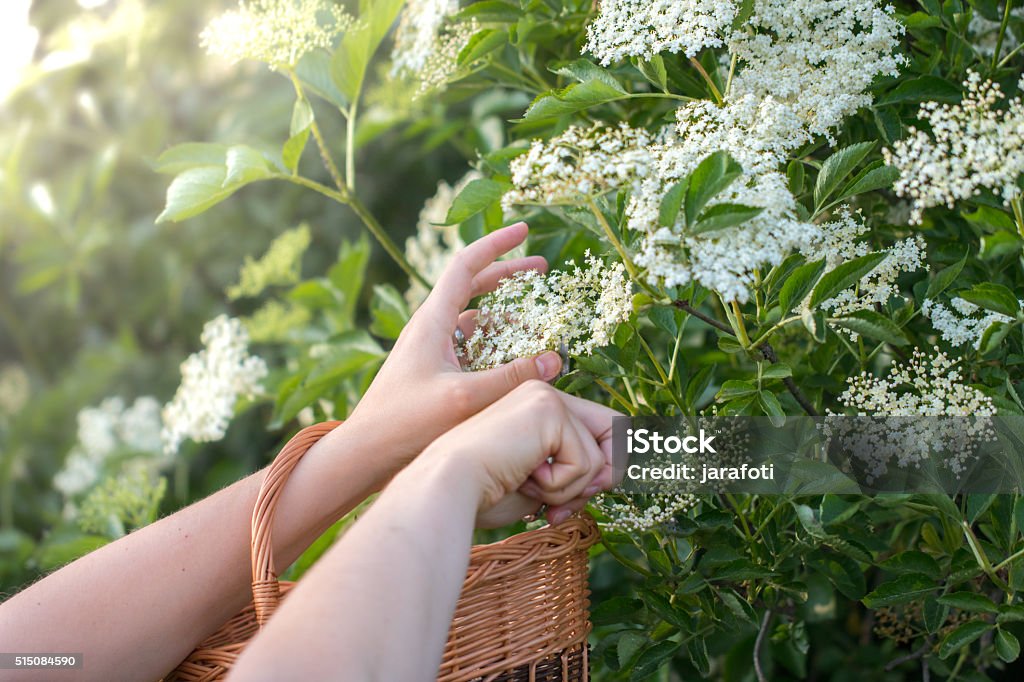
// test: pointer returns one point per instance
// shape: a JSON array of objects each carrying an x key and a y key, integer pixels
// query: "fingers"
[
  {"x": 577, "y": 461},
  {"x": 489, "y": 277},
  {"x": 490, "y": 385},
  {"x": 455, "y": 287}
]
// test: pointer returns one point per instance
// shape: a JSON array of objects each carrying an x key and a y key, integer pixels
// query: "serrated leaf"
[
  {"x": 474, "y": 198},
  {"x": 182, "y": 157},
  {"x": 572, "y": 98},
  {"x": 799, "y": 284},
  {"x": 735, "y": 388},
  {"x": 244, "y": 165},
  {"x": 912, "y": 561},
  {"x": 654, "y": 71},
  {"x": 779, "y": 370},
  {"x": 837, "y": 167},
  {"x": 653, "y": 659},
  {"x": 627, "y": 646},
  {"x": 843, "y": 277},
  {"x": 722, "y": 216},
  {"x": 875, "y": 177},
  {"x": 962, "y": 636},
  {"x": 901, "y": 590},
  {"x": 583, "y": 70},
  {"x": 712, "y": 176},
  {"x": 480, "y": 44},
  {"x": 389, "y": 312},
  {"x": 968, "y": 601},
  {"x": 945, "y": 277},
  {"x": 994, "y": 297},
  {"x": 873, "y": 325},
  {"x": 771, "y": 406},
  {"x": 923, "y": 89}
]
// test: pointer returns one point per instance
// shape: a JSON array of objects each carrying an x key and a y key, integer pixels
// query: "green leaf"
[
  {"x": 1010, "y": 613},
  {"x": 993, "y": 297},
  {"x": 710, "y": 178},
  {"x": 475, "y": 197},
  {"x": 244, "y": 165},
  {"x": 298, "y": 131},
  {"x": 480, "y": 44},
  {"x": 799, "y": 284},
  {"x": 770, "y": 404},
  {"x": 912, "y": 561},
  {"x": 961, "y": 637},
  {"x": 735, "y": 388},
  {"x": 653, "y": 659},
  {"x": 182, "y": 157},
  {"x": 992, "y": 338},
  {"x": 389, "y": 312},
  {"x": 837, "y": 167},
  {"x": 672, "y": 202},
  {"x": 351, "y": 352},
  {"x": 968, "y": 601},
  {"x": 572, "y": 98},
  {"x": 721, "y": 216},
  {"x": 583, "y": 70},
  {"x": 923, "y": 89},
  {"x": 194, "y": 191},
  {"x": 873, "y": 325},
  {"x": 814, "y": 323},
  {"x": 654, "y": 71},
  {"x": 945, "y": 277},
  {"x": 874, "y": 177},
  {"x": 1007, "y": 645},
  {"x": 629, "y": 643},
  {"x": 616, "y": 610},
  {"x": 349, "y": 61},
  {"x": 491, "y": 11},
  {"x": 843, "y": 277},
  {"x": 314, "y": 70},
  {"x": 901, "y": 590},
  {"x": 697, "y": 648},
  {"x": 779, "y": 370}
]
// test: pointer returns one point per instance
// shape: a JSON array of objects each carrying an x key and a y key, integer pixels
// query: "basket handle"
[{"x": 266, "y": 591}]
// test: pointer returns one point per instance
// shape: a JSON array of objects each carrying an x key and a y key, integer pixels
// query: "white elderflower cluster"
[
  {"x": 962, "y": 322},
  {"x": 724, "y": 260},
  {"x": 123, "y": 503},
  {"x": 578, "y": 164},
  {"x": 971, "y": 146},
  {"x": 441, "y": 65},
  {"x": 644, "y": 28},
  {"x": 839, "y": 241},
  {"x": 635, "y": 513},
  {"x": 920, "y": 411},
  {"x": 530, "y": 313},
  {"x": 211, "y": 382},
  {"x": 276, "y": 32},
  {"x": 434, "y": 244},
  {"x": 818, "y": 57},
  {"x": 281, "y": 264},
  {"x": 417, "y": 34},
  {"x": 104, "y": 431}
]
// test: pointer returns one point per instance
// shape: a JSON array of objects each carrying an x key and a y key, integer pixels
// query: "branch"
[
  {"x": 765, "y": 349},
  {"x": 913, "y": 656},
  {"x": 757, "y": 646}
]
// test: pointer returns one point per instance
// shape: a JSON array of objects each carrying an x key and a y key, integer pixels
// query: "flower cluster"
[
  {"x": 818, "y": 57},
  {"x": 417, "y": 34},
  {"x": 530, "y": 313},
  {"x": 110, "y": 429},
  {"x": 276, "y": 321},
  {"x": 431, "y": 249},
  {"x": 921, "y": 387},
  {"x": 579, "y": 164},
  {"x": 279, "y": 265},
  {"x": 635, "y": 514},
  {"x": 644, "y": 28},
  {"x": 122, "y": 503},
  {"x": 211, "y": 382},
  {"x": 972, "y": 146},
  {"x": 962, "y": 322},
  {"x": 276, "y": 32},
  {"x": 839, "y": 242}
]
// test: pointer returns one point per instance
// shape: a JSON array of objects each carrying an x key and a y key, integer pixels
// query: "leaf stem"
[
  {"x": 715, "y": 92},
  {"x": 634, "y": 274},
  {"x": 1002, "y": 33}
]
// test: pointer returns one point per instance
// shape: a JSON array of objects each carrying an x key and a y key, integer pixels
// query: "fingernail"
[
  {"x": 591, "y": 491},
  {"x": 548, "y": 365},
  {"x": 557, "y": 517}
]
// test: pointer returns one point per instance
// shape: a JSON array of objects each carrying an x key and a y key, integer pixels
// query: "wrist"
[{"x": 445, "y": 469}]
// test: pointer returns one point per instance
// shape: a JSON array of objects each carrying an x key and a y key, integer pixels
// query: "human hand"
[
  {"x": 507, "y": 448},
  {"x": 421, "y": 390}
]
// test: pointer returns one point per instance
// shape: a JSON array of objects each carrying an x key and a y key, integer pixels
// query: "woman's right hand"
[{"x": 535, "y": 445}]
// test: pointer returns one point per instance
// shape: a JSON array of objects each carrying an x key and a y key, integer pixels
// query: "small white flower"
[{"x": 963, "y": 322}]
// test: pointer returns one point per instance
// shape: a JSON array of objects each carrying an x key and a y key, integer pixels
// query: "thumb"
[{"x": 492, "y": 384}]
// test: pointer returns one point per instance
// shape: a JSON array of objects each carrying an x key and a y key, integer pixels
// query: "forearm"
[
  {"x": 137, "y": 606},
  {"x": 379, "y": 604}
]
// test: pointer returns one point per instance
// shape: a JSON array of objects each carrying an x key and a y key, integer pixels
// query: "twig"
[
  {"x": 912, "y": 656},
  {"x": 757, "y": 646},
  {"x": 765, "y": 349}
]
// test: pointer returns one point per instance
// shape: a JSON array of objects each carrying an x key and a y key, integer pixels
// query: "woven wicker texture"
[{"x": 523, "y": 613}]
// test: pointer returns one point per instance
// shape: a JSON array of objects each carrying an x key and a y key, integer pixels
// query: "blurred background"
[{"x": 96, "y": 300}]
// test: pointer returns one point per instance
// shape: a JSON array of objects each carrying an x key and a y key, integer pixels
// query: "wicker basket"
[{"x": 523, "y": 613}]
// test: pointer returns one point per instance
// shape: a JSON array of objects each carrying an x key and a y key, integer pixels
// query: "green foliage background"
[{"x": 99, "y": 299}]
